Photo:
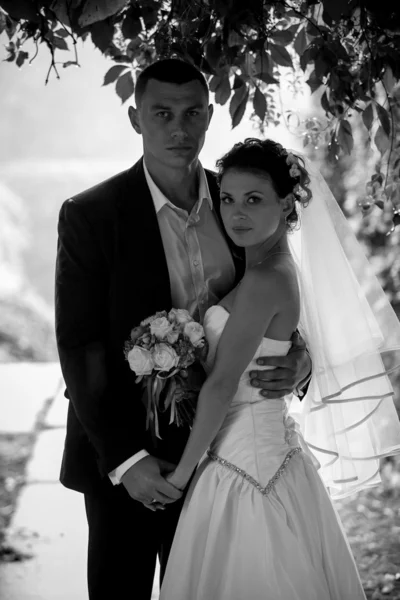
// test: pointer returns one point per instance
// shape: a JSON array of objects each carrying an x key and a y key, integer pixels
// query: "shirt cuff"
[
  {"x": 299, "y": 391},
  {"x": 117, "y": 474}
]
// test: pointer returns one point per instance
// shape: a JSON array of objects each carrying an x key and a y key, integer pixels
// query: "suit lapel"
[{"x": 141, "y": 251}]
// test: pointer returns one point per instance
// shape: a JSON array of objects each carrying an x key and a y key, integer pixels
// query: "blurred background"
[
  {"x": 56, "y": 141},
  {"x": 60, "y": 139}
]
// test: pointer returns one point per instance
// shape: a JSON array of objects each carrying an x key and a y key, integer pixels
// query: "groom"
[{"x": 146, "y": 240}]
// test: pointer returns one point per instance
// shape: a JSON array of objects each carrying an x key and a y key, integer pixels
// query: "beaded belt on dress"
[{"x": 271, "y": 483}]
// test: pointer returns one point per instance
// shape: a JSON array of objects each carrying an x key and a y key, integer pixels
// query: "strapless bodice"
[
  {"x": 215, "y": 320},
  {"x": 257, "y": 433}
]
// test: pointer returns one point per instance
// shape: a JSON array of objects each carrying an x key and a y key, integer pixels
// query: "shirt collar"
[{"x": 160, "y": 200}]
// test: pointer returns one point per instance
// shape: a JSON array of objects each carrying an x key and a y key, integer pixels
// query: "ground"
[
  {"x": 372, "y": 523},
  {"x": 371, "y": 518},
  {"x": 15, "y": 450}
]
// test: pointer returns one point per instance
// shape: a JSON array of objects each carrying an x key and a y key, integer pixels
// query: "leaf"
[
  {"x": 204, "y": 26},
  {"x": 11, "y": 52},
  {"x": 259, "y": 104},
  {"x": 70, "y": 63},
  {"x": 22, "y": 56},
  {"x": 113, "y": 73},
  {"x": 312, "y": 29},
  {"x": 95, "y": 11},
  {"x": 102, "y": 35},
  {"x": 381, "y": 140},
  {"x": 389, "y": 80},
  {"x": 334, "y": 82},
  {"x": 263, "y": 63},
  {"x": 338, "y": 51},
  {"x": 333, "y": 149},
  {"x": 125, "y": 86},
  {"x": 2, "y": 21},
  {"x": 396, "y": 219},
  {"x": 60, "y": 43},
  {"x": 280, "y": 56},
  {"x": 383, "y": 118},
  {"x": 223, "y": 91},
  {"x": 266, "y": 78},
  {"x": 238, "y": 104},
  {"x": 301, "y": 43},
  {"x": 149, "y": 15},
  {"x": 321, "y": 66},
  {"x": 325, "y": 103},
  {"x": 133, "y": 49},
  {"x": 21, "y": 9},
  {"x": 237, "y": 82},
  {"x": 282, "y": 37},
  {"x": 11, "y": 26},
  {"x": 214, "y": 83},
  {"x": 131, "y": 25},
  {"x": 120, "y": 58},
  {"x": 314, "y": 82},
  {"x": 307, "y": 57},
  {"x": 62, "y": 33},
  {"x": 234, "y": 39},
  {"x": 336, "y": 8},
  {"x": 327, "y": 18},
  {"x": 345, "y": 136},
  {"x": 214, "y": 52},
  {"x": 368, "y": 116}
]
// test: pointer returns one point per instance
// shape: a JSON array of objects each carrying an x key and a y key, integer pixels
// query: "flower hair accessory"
[
  {"x": 297, "y": 171},
  {"x": 294, "y": 165}
]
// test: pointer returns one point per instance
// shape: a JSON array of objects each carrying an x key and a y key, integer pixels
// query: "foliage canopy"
[{"x": 348, "y": 50}]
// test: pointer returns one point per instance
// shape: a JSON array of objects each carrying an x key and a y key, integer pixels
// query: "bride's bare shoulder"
[{"x": 278, "y": 271}]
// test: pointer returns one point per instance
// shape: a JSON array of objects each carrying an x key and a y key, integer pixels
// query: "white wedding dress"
[{"x": 258, "y": 523}]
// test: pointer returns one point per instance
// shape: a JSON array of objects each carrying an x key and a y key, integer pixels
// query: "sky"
[{"x": 77, "y": 119}]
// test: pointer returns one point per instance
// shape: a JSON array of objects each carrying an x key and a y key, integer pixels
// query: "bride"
[{"x": 258, "y": 522}]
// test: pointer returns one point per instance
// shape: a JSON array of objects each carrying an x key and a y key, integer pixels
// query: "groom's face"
[{"x": 173, "y": 120}]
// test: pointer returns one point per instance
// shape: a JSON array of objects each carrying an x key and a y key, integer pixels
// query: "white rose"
[
  {"x": 149, "y": 320},
  {"x": 195, "y": 332},
  {"x": 140, "y": 361},
  {"x": 160, "y": 327},
  {"x": 180, "y": 315},
  {"x": 165, "y": 357},
  {"x": 172, "y": 335}
]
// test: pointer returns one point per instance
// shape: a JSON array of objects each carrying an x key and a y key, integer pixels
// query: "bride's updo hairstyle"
[{"x": 284, "y": 170}]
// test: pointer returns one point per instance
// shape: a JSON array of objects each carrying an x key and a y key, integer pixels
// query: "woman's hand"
[{"x": 178, "y": 481}]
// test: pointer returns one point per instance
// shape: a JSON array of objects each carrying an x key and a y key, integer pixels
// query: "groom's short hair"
[{"x": 168, "y": 70}]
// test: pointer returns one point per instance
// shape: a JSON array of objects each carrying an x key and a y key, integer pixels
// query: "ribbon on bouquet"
[{"x": 155, "y": 386}]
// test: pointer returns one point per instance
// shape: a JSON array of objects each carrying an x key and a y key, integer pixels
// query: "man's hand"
[
  {"x": 287, "y": 373},
  {"x": 145, "y": 483}
]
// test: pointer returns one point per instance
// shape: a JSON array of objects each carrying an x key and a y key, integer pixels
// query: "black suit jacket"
[{"x": 111, "y": 273}]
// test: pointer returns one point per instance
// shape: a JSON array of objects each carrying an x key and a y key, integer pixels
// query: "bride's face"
[{"x": 251, "y": 209}]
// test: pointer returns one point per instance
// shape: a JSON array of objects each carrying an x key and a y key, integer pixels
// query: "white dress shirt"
[{"x": 200, "y": 265}]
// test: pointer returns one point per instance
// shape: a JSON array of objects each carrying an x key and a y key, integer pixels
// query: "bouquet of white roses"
[{"x": 159, "y": 352}]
